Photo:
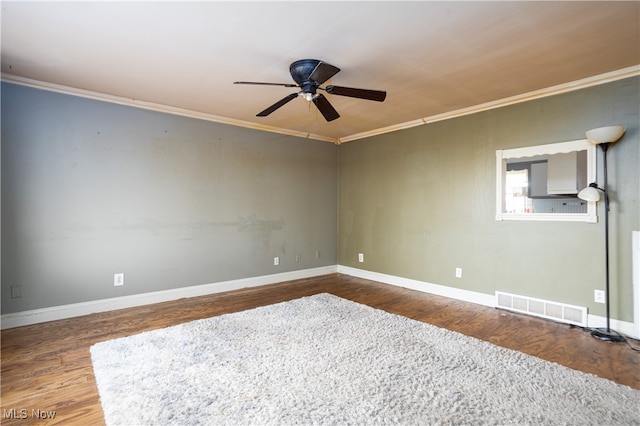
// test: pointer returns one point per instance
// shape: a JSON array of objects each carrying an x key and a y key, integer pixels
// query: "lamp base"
[{"x": 607, "y": 334}]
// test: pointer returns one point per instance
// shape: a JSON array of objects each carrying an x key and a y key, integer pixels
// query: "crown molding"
[
  {"x": 536, "y": 94},
  {"x": 524, "y": 97},
  {"x": 67, "y": 90}
]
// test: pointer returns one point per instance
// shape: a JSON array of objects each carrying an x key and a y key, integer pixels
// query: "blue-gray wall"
[{"x": 90, "y": 189}]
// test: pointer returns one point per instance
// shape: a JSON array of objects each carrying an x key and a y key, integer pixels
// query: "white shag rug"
[{"x": 323, "y": 360}]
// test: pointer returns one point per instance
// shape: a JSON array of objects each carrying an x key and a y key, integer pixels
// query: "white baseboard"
[
  {"x": 593, "y": 321},
  {"x": 623, "y": 327},
  {"x": 36, "y": 316},
  {"x": 440, "y": 290}
]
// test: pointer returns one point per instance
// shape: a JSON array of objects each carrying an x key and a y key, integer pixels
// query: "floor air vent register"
[{"x": 561, "y": 312}]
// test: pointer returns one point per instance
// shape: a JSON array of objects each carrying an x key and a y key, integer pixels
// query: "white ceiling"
[{"x": 431, "y": 57}]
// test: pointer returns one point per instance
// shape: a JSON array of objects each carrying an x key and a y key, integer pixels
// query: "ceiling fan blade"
[
  {"x": 266, "y": 84},
  {"x": 371, "y": 95},
  {"x": 323, "y": 72},
  {"x": 325, "y": 108},
  {"x": 277, "y": 105}
]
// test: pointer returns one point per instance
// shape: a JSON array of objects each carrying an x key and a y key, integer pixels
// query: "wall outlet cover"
[
  {"x": 599, "y": 296},
  {"x": 118, "y": 279},
  {"x": 16, "y": 291}
]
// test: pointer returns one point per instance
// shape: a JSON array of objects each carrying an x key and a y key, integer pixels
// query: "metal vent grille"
[{"x": 555, "y": 311}]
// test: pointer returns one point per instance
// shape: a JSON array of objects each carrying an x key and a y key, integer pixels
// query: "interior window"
[
  {"x": 542, "y": 182},
  {"x": 517, "y": 192}
]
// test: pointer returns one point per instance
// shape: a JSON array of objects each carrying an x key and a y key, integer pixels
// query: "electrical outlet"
[
  {"x": 118, "y": 279},
  {"x": 16, "y": 291},
  {"x": 458, "y": 272},
  {"x": 297, "y": 258},
  {"x": 317, "y": 254},
  {"x": 360, "y": 257},
  {"x": 276, "y": 261},
  {"x": 599, "y": 296}
]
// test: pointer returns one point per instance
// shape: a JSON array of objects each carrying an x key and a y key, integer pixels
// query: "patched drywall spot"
[
  {"x": 253, "y": 224},
  {"x": 260, "y": 230}
]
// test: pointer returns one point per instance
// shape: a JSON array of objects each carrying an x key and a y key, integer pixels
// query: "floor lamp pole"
[
  {"x": 605, "y": 147},
  {"x": 607, "y": 333}
]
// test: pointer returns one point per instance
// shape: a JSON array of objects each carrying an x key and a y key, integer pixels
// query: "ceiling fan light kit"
[{"x": 309, "y": 75}]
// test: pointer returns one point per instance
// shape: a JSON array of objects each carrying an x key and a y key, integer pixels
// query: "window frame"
[{"x": 502, "y": 155}]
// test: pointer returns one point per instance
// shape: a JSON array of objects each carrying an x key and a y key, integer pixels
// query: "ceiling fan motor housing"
[{"x": 301, "y": 71}]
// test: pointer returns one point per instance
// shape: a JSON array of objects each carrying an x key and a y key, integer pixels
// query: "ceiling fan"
[{"x": 309, "y": 74}]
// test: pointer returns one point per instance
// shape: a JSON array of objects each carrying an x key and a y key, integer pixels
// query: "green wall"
[
  {"x": 420, "y": 202},
  {"x": 90, "y": 189}
]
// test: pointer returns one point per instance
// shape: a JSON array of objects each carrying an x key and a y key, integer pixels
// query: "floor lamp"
[{"x": 604, "y": 137}]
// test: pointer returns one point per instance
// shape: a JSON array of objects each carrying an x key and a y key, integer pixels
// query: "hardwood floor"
[{"x": 47, "y": 367}]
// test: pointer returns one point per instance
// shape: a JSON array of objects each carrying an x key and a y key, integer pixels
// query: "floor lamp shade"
[
  {"x": 590, "y": 193},
  {"x": 607, "y": 134}
]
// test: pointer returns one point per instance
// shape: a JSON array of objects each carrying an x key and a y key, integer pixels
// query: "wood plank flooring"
[{"x": 47, "y": 367}]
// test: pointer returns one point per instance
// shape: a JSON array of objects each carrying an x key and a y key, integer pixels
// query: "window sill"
[{"x": 549, "y": 217}]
